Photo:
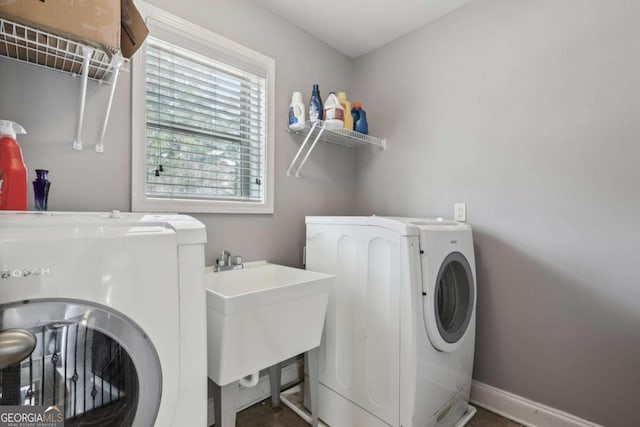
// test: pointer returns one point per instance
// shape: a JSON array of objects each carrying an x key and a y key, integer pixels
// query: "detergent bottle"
[
  {"x": 333, "y": 113},
  {"x": 360, "y": 118},
  {"x": 296, "y": 112},
  {"x": 346, "y": 105},
  {"x": 315, "y": 105},
  {"x": 355, "y": 115},
  {"x": 13, "y": 172}
]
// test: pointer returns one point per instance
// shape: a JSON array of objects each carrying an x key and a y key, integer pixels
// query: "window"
[{"x": 202, "y": 122}]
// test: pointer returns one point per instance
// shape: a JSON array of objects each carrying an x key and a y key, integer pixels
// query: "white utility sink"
[{"x": 262, "y": 315}]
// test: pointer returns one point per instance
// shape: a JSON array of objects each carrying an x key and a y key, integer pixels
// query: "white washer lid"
[
  {"x": 403, "y": 225},
  {"x": 22, "y": 224}
]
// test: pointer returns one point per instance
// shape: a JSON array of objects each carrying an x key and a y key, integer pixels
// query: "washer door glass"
[
  {"x": 454, "y": 297},
  {"x": 94, "y": 364}
]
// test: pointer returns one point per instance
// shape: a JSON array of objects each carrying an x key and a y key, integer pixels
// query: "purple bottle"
[{"x": 41, "y": 187}]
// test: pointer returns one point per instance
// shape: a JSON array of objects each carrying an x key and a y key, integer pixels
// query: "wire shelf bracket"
[
  {"x": 23, "y": 43},
  {"x": 320, "y": 131}
]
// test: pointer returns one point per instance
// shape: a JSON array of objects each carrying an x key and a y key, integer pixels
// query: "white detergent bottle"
[
  {"x": 296, "y": 112},
  {"x": 333, "y": 112}
]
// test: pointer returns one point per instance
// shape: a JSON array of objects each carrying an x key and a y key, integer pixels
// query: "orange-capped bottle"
[{"x": 360, "y": 118}]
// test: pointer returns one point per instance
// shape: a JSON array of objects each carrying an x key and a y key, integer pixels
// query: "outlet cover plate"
[{"x": 460, "y": 212}]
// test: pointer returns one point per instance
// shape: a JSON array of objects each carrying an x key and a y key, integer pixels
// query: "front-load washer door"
[
  {"x": 94, "y": 365},
  {"x": 449, "y": 304}
]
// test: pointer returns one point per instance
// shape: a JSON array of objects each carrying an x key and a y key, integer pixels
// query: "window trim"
[{"x": 191, "y": 36}]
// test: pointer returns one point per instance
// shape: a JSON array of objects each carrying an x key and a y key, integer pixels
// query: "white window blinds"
[{"x": 205, "y": 127}]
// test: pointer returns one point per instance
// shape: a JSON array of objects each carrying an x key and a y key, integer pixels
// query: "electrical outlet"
[{"x": 460, "y": 212}]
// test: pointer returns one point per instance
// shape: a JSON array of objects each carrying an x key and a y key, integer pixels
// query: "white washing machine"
[
  {"x": 103, "y": 316},
  {"x": 399, "y": 335}
]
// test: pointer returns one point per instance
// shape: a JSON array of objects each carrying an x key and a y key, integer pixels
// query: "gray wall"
[
  {"x": 45, "y": 103},
  {"x": 529, "y": 112}
]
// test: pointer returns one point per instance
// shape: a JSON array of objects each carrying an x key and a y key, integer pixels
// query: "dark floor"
[
  {"x": 263, "y": 415},
  {"x": 484, "y": 418}
]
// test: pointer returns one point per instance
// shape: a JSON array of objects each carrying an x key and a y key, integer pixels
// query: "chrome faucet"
[{"x": 227, "y": 262}]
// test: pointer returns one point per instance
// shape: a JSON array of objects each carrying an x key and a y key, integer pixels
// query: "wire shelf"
[
  {"x": 37, "y": 47},
  {"x": 320, "y": 131},
  {"x": 27, "y": 44},
  {"x": 341, "y": 136}
]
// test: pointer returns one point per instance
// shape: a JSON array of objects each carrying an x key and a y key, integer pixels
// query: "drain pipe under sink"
[{"x": 250, "y": 380}]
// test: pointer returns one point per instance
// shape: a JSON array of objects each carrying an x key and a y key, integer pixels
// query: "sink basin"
[{"x": 262, "y": 315}]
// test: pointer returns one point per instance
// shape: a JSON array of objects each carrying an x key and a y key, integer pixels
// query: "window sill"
[{"x": 200, "y": 206}]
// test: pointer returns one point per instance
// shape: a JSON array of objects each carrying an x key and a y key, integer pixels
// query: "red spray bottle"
[{"x": 13, "y": 172}]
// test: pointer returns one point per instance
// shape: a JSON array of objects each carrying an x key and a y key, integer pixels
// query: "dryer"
[
  {"x": 103, "y": 317},
  {"x": 399, "y": 335}
]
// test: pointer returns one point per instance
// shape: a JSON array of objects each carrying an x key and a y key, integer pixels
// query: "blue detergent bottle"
[
  {"x": 360, "y": 122},
  {"x": 315, "y": 105},
  {"x": 355, "y": 113}
]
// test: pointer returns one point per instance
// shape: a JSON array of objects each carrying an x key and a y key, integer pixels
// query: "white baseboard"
[
  {"x": 522, "y": 410},
  {"x": 252, "y": 395}
]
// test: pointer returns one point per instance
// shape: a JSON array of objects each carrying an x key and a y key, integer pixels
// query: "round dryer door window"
[
  {"x": 454, "y": 297},
  {"x": 90, "y": 363}
]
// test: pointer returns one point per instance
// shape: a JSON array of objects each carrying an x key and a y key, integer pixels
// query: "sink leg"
[
  {"x": 224, "y": 404},
  {"x": 313, "y": 356},
  {"x": 275, "y": 375}
]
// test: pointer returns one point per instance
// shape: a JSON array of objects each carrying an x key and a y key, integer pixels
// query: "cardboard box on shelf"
[
  {"x": 51, "y": 32},
  {"x": 95, "y": 22},
  {"x": 134, "y": 30}
]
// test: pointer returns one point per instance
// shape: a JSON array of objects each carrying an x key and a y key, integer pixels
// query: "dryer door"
[
  {"x": 449, "y": 307},
  {"x": 94, "y": 365}
]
